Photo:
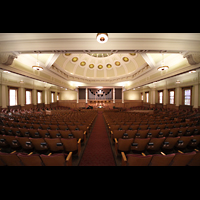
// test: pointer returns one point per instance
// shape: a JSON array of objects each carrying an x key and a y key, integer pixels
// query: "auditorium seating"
[
  {"x": 45, "y": 138},
  {"x": 22, "y": 159},
  {"x": 175, "y": 159},
  {"x": 156, "y": 133}
]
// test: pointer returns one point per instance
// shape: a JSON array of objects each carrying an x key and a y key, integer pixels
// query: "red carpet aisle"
[{"x": 98, "y": 150}]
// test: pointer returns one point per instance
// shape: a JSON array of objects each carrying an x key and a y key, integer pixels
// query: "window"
[
  {"x": 13, "y": 96},
  {"x": 160, "y": 96},
  {"x": 187, "y": 96},
  {"x": 147, "y": 97},
  {"x": 52, "y": 97},
  {"x": 171, "y": 96},
  {"x": 142, "y": 98},
  {"x": 39, "y": 96},
  {"x": 28, "y": 97}
]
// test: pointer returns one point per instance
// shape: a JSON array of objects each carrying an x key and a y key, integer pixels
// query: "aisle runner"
[{"x": 98, "y": 150}]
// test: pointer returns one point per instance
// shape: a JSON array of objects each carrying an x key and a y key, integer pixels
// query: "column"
[
  {"x": 86, "y": 95},
  {"x": 113, "y": 95},
  {"x": 152, "y": 98},
  {"x": 77, "y": 95},
  {"x": 34, "y": 93},
  {"x": 165, "y": 97},
  {"x": 196, "y": 95},
  {"x": 22, "y": 96},
  {"x": 177, "y": 96},
  {"x": 4, "y": 96},
  {"x": 122, "y": 96}
]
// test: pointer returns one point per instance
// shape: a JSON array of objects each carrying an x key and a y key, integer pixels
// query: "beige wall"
[
  {"x": 68, "y": 95},
  {"x": 132, "y": 95}
]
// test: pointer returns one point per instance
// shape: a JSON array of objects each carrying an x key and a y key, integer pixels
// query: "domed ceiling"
[{"x": 99, "y": 66}]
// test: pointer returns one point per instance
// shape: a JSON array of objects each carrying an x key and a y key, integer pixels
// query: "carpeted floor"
[{"x": 98, "y": 151}]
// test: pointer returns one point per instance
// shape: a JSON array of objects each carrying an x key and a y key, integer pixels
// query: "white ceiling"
[
  {"x": 28, "y": 42},
  {"x": 52, "y": 45}
]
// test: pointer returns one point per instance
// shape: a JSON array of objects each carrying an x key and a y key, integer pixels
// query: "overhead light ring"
[{"x": 102, "y": 37}]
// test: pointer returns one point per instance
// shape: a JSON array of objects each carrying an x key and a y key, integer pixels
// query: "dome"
[{"x": 99, "y": 66}]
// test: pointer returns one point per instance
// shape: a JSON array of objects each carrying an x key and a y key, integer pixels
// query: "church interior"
[{"x": 100, "y": 99}]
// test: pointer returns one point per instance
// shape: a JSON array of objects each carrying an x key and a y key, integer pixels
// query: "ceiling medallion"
[
  {"x": 117, "y": 63},
  {"x": 74, "y": 59},
  {"x": 133, "y": 54},
  {"x": 102, "y": 37},
  {"x": 91, "y": 66},
  {"x": 109, "y": 66},
  {"x": 125, "y": 59},
  {"x": 100, "y": 66},
  {"x": 83, "y": 63}
]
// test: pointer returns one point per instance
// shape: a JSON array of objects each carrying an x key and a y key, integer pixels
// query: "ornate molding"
[
  {"x": 193, "y": 58},
  {"x": 7, "y": 58},
  {"x": 68, "y": 76}
]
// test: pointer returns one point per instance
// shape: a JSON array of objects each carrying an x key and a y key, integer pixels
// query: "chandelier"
[
  {"x": 37, "y": 66},
  {"x": 102, "y": 37},
  {"x": 163, "y": 66}
]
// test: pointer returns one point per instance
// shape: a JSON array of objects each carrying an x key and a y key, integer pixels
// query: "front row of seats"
[
  {"x": 175, "y": 159},
  {"x": 155, "y": 144},
  {"x": 23, "y": 159}
]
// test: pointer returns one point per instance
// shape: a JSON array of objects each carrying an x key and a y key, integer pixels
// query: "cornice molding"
[
  {"x": 7, "y": 58},
  {"x": 193, "y": 58},
  {"x": 137, "y": 73}
]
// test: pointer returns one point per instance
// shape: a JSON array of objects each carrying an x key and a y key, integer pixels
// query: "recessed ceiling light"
[{"x": 102, "y": 37}]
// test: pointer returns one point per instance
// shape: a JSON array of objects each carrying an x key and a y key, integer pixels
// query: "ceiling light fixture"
[
  {"x": 37, "y": 66},
  {"x": 102, "y": 37},
  {"x": 163, "y": 67}
]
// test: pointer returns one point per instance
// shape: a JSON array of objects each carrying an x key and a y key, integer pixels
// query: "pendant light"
[
  {"x": 163, "y": 66},
  {"x": 37, "y": 66}
]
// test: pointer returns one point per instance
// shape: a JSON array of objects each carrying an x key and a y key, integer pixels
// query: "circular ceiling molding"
[
  {"x": 74, "y": 59},
  {"x": 91, "y": 66},
  {"x": 117, "y": 63},
  {"x": 82, "y": 63},
  {"x": 125, "y": 59},
  {"x": 133, "y": 54},
  {"x": 100, "y": 67},
  {"x": 109, "y": 66},
  {"x": 67, "y": 54}
]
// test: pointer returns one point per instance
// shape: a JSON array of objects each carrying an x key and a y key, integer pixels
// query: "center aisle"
[{"x": 98, "y": 151}]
